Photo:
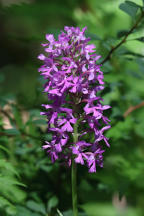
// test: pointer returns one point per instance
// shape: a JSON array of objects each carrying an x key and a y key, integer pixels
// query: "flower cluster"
[{"x": 74, "y": 110}]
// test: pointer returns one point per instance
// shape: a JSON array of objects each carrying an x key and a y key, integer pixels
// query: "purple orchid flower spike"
[{"x": 73, "y": 82}]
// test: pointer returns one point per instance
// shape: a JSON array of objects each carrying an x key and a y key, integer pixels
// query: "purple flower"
[
  {"x": 73, "y": 82},
  {"x": 66, "y": 124},
  {"x": 78, "y": 150}
]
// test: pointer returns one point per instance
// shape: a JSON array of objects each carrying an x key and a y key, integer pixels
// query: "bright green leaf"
[
  {"x": 136, "y": 35},
  {"x": 11, "y": 210}
]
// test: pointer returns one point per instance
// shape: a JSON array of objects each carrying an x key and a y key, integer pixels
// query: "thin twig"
[
  {"x": 124, "y": 39},
  {"x": 132, "y": 108}
]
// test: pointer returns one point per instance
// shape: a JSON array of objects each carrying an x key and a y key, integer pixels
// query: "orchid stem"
[
  {"x": 74, "y": 175},
  {"x": 74, "y": 188}
]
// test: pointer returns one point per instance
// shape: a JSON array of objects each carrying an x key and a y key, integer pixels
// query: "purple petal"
[
  {"x": 73, "y": 121},
  {"x": 92, "y": 169},
  {"x": 45, "y": 146},
  {"x": 50, "y": 37},
  {"x": 41, "y": 57},
  {"x": 58, "y": 147},
  {"x": 106, "y": 141},
  {"x": 79, "y": 159},
  {"x": 67, "y": 127}
]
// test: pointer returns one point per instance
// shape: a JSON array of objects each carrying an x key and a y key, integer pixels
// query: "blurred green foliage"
[{"x": 29, "y": 184}]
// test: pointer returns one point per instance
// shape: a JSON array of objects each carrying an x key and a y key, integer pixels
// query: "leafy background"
[{"x": 29, "y": 184}]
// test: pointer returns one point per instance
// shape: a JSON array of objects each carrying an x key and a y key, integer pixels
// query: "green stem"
[
  {"x": 74, "y": 188},
  {"x": 74, "y": 175}
]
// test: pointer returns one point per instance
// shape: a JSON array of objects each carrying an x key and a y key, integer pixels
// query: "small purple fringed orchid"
[{"x": 73, "y": 82}]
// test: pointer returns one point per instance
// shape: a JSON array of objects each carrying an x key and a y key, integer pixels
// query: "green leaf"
[
  {"x": 12, "y": 131},
  {"x": 121, "y": 129},
  {"x": 129, "y": 7},
  {"x": 106, "y": 209},
  {"x": 35, "y": 113},
  {"x": 131, "y": 3},
  {"x": 136, "y": 35},
  {"x": 46, "y": 168},
  {"x": 52, "y": 203},
  {"x": 122, "y": 33},
  {"x": 37, "y": 207},
  {"x": 4, "y": 149},
  {"x": 134, "y": 74},
  {"x": 22, "y": 211},
  {"x": 9, "y": 181},
  {"x": 17, "y": 116},
  {"x": 68, "y": 213},
  {"x": 39, "y": 122},
  {"x": 92, "y": 36},
  {"x": 7, "y": 166},
  {"x": 10, "y": 190},
  {"x": 140, "y": 63},
  {"x": 141, "y": 39},
  {"x": 5, "y": 204},
  {"x": 11, "y": 210}
]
